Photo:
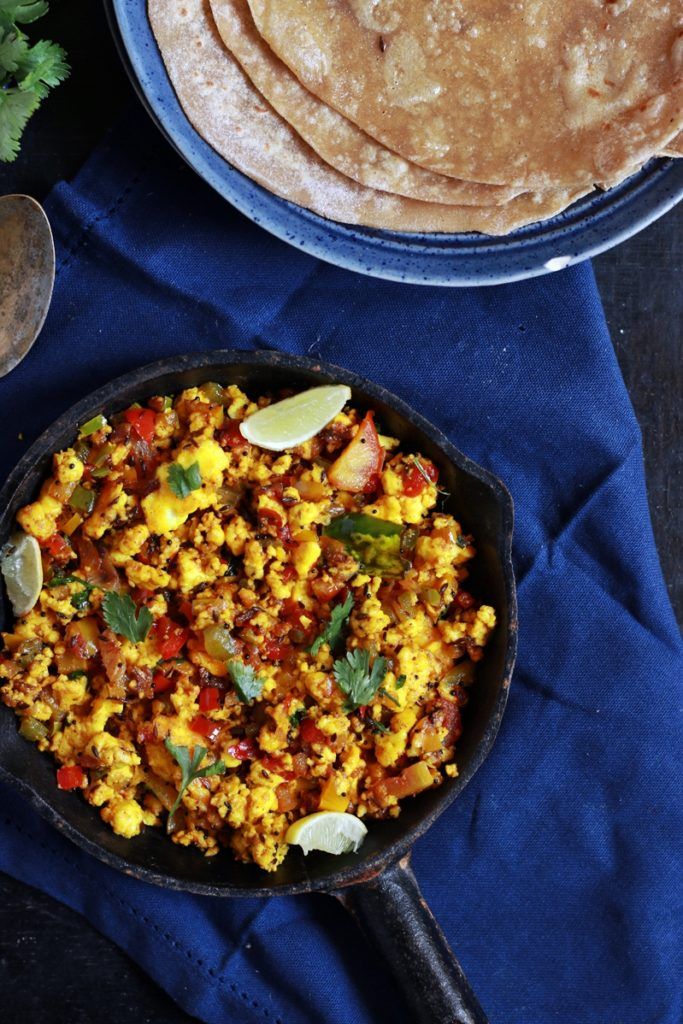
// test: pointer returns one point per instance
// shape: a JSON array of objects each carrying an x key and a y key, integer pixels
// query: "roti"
[
  {"x": 675, "y": 147},
  {"x": 228, "y": 112},
  {"x": 535, "y": 93},
  {"x": 337, "y": 140}
]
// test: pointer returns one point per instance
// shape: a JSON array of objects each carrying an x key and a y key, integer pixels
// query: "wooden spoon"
[{"x": 27, "y": 274}]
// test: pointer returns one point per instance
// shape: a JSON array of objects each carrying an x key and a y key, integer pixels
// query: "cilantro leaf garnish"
[
  {"x": 190, "y": 770},
  {"x": 389, "y": 696},
  {"x": 377, "y": 726},
  {"x": 296, "y": 716},
  {"x": 120, "y": 615},
  {"x": 27, "y": 73},
  {"x": 23, "y": 11},
  {"x": 247, "y": 684},
  {"x": 356, "y": 679},
  {"x": 401, "y": 681},
  {"x": 184, "y": 481},
  {"x": 332, "y": 630},
  {"x": 81, "y": 598}
]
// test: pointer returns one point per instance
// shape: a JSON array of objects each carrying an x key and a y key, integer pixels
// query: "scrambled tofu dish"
[{"x": 228, "y": 638}]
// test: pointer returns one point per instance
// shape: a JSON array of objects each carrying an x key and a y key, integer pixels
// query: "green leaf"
[
  {"x": 23, "y": 11},
  {"x": 120, "y": 615},
  {"x": 400, "y": 682},
  {"x": 27, "y": 73},
  {"x": 13, "y": 49},
  {"x": 183, "y": 481},
  {"x": 332, "y": 630},
  {"x": 389, "y": 696},
  {"x": 80, "y": 599},
  {"x": 247, "y": 684},
  {"x": 43, "y": 64},
  {"x": 356, "y": 679},
  {"x": 296, "y": 716},
  {"x": 15, "y": 109},
  {"x": 377, "y": 726},
  {"x": 190, "y": 770}
]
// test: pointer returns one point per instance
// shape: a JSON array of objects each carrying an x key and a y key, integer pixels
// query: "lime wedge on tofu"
[
  {"x": 329, "y": 831},
  {"x": 297, "y": 419},
  {"x": 23, "y": 571}
]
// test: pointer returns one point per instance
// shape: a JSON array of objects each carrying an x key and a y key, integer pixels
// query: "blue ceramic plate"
[{"x": 595, "y": 223}]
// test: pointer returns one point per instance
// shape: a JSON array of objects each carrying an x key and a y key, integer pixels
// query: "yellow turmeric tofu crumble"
[{"x": 229, "y": 638}]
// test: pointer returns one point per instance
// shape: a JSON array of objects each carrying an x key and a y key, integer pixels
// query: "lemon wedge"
[
  {"x": 23, "y": 571},
  {"x": 297, "y": 419},
  {"x": 329, "y": 831}
]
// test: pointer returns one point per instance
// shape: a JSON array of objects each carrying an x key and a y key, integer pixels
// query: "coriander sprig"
[
  {"x": 27, "y": 72},
  {"x": 182, "y": 480},
  {"x": 122, "y": 616},
  {"x": 332, "y": 630},
  {"x": 247, "y": 684},
  {"x": 357, "y": 679},
  {"x": 190, "y": 770}
]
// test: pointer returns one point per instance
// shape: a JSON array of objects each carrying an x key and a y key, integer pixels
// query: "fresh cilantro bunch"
[{"x": 27, "y": 71}]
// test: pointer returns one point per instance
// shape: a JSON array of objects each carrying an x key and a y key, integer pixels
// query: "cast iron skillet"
[{"x": 377, "y": 884}]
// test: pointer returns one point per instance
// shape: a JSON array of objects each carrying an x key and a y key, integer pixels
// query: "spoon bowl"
[{"x": 27, "y": 274}]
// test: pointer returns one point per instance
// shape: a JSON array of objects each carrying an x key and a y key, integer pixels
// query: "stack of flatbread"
[{"x": 430, "y": 115}]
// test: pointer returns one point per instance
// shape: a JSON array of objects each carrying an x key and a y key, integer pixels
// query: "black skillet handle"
[{"x": 392, "y": 912}]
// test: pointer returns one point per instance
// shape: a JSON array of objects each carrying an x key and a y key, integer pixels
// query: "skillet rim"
[{"x": 366, "y": 868}]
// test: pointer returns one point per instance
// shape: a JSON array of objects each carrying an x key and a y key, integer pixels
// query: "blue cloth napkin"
[{"x": 557, "y": 875}]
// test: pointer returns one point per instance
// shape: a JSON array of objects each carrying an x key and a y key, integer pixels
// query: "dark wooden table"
[{"x": 54, "y": 968}]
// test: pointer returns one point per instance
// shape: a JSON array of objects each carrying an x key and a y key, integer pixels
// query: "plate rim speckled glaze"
[{"x": 591, "y": 226}]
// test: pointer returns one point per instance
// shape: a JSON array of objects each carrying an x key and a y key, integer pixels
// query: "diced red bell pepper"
[
  {"x": 309, "y": 732},
  {"x": 209, "y": 698},
  {"x": 274, "y": 764},
  {"x": 205, "y": 727},
  {"x": 230, "y": 436},
  {"x": 244, "y": 750},
  {"x": 70, "y": 776},
  {"x": 275, "y": 649},
  {"x": 358, "y": 467},
  {"x": 170, "y": 638},
  {"x": 292, "y": 613},
  {"x": 161, "y": 682},
  {"x": 185, "y": 609},
  {"x": 143, "y": 422},
  {"x": 58, "y": 547}
]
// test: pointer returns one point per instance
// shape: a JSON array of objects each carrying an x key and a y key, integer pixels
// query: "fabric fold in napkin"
[{"x": 556, "y": 876}]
